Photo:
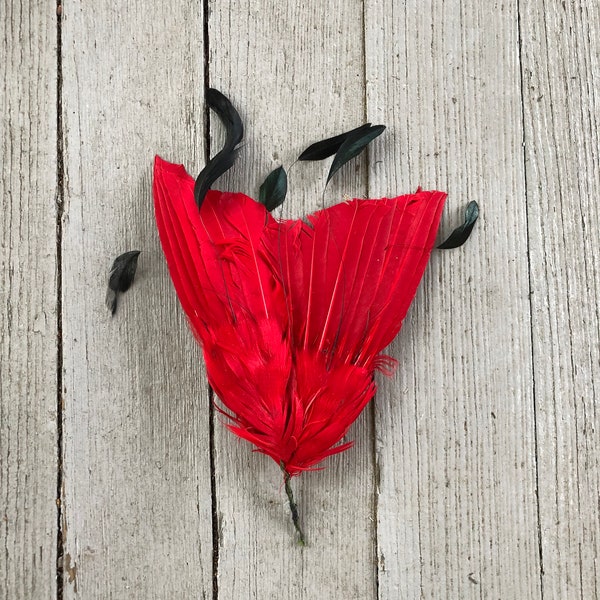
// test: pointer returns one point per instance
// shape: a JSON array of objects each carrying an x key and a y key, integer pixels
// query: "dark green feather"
[
  {"x": 352, "y": 146},
  {"x": 120, "y": 277},
  {"x": 461, "y": 234},
  {"x": 274, "y": 188},
  {"x": 223, "y": 160},
  {"x": 326, "y": 148}
]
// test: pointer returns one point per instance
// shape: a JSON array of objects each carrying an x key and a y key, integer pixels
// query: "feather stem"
[{"x": 293, "y": 506}]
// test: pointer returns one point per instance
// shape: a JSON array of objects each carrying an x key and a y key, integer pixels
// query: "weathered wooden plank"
[
  {"x": 28, "y": 374},
  {"x": 137, "y": 465},
  {"x": 561, "y": 78},
  {"x": 455, "y": 427},
  {"x": 296, "y": 72}
]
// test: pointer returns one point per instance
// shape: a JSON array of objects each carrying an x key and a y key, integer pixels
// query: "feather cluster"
[{"x": 293, "y": 316}]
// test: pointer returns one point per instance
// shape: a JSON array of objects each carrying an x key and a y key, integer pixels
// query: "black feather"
[
  {"x": 461, "y": 234},
  {"x": 121, "y": 277},
  {"x": 352, "y": 146},
  {"x": 274, "y": 188},
  {"x": 326, "y": 148},
  {"x": 223, "y": 160}
]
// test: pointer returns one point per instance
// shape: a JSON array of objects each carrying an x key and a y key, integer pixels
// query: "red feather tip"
[{"x": 293, "y": 316}]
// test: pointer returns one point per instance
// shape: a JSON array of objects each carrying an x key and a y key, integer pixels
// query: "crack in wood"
[{"x": 529, "y": 275}]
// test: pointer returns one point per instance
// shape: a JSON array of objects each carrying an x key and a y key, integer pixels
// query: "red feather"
[{"x": 292, "y": 315}]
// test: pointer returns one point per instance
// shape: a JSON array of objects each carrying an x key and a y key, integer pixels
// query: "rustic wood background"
[{"x": 476, "y": 470}]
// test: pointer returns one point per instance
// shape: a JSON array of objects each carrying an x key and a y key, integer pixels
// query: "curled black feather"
[
  {"x": 461, "y": 234},
  {"x": 121, "y": 277},
  {"x": 223, "y": 160}
]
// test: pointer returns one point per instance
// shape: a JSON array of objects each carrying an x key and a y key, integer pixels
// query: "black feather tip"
[
  {"x": 121, "y": 277},
  {"x": 273, "y": 190},
  {"x": 326, "y": 148},
  {"x": 223, "y": 160},
  {"x": 461, "y": 234},
  {"x": 353, "y": 145},
  {"x": 345, "y": 146}
]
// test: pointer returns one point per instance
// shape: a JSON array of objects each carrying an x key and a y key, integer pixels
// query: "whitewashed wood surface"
[
  {"x": 476, "y": 469},
  {"x": 29, "y": 441}
]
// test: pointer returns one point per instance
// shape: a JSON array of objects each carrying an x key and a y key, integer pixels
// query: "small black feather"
[
  {"x": 273, "y": 190},
  {"x": 223, "y": 160},
  {"x": 326, "y": 148},
  {"x": 461, "y": 234},
  {"x": 352, "y": 146},
  {"x": 121, "y": 277}
]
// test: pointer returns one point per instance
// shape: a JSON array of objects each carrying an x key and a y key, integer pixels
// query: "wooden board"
[
  {"x": 475, "y": 473},
  {"x": 28, "y": 355},
  {"x": 296, "y": 72},
  {"x": 137, "y": 496},
  {"x": 456, "y": 510},
  {"x": 561, "y": 77}
]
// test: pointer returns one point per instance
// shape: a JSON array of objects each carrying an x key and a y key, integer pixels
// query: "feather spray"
[{"x": 292, "y": 315}]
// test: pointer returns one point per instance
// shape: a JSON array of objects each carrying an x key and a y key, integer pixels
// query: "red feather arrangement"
[{"x": 293, "y": 316}]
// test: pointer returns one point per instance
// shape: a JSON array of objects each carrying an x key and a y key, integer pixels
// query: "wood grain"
[
  {"x": 475, "y": 473},
  {"x": 561, "y": 78},
  {"x": 296, "y": 71},
  {"x": 28, "y": 354},
  {"x": 137, "y": 493},
  {"x": 456, "y": 512}
]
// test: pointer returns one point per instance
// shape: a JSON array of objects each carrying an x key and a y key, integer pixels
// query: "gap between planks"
[{"x": 60, "y": 195}]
